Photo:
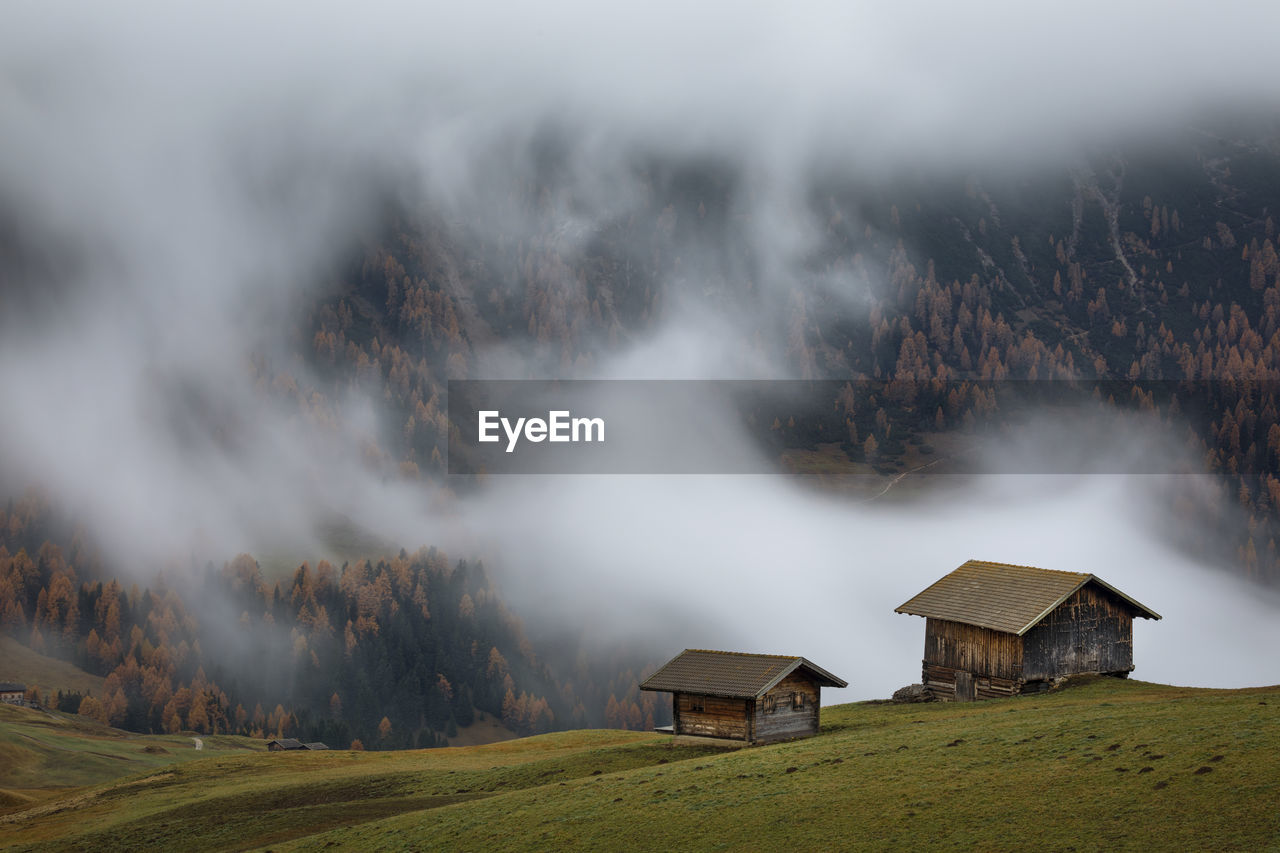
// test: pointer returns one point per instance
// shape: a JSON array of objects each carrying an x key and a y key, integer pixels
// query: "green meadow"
[
  {"x": 1104, "y": 765},
  {"x": 45, "y": 755}
]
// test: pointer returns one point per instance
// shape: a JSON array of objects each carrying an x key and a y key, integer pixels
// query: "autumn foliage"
[{"x": 398, "y": 652}]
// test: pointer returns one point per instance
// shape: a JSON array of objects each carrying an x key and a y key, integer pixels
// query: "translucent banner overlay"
[{"x": 499, "y": 427}]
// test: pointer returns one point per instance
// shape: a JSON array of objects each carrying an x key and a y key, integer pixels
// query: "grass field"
[
  {"x": 1105, "y": 765},
  {"x": 45, "y": 754}
]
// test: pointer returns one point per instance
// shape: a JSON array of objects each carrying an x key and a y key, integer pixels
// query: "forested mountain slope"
[
  {"x": 1151, "y": 263},
  {"x": 1155, "y": 263}
]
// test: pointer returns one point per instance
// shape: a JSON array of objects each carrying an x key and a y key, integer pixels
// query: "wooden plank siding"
[
  {"x": 1089, "y": 632},
  {"x": 770, "y": 717},
  {"x": 777, "y": 718},
  {"x": 982, "y": 651},
  {"x": 718, "y": 717},
  {"x": 941, "y": 681},
  {"x": 1092, "y": 631}
]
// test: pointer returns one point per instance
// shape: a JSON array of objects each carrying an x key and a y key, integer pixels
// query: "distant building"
[
  {"x": 12, "y": 693},
  {"x": 289, "y": 743},
  {"x": 995, "y": 629},
  {"x": 747, "y": 697},
  {"x": 283, "y": 744}
]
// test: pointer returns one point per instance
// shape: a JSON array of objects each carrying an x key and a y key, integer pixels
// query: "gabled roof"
[
  {"x": 10, "y": 686},
  {"x": 733, "y": 675},
  {"x": 1005, "y": 597},
  {"x": 287, "y": 743},
  {"x": 315, "y": 745}
]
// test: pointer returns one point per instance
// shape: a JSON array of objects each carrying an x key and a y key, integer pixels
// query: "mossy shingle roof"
[
  {"x": 1005, "y": 597},
  {"x": 735, "y": 675},
  {"x": 287, "y": 743}
]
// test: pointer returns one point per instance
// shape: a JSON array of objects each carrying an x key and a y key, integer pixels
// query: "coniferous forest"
[{"x": 396, "y": 653}]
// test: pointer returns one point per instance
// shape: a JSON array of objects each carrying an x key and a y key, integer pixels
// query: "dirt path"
[{"x": 898, "y": 478}]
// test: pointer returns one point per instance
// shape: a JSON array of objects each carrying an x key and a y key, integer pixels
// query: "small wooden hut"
[
  {"x": 995, "y": 629},
  {"x": 285, "y": 744},
  {"x": 753, "y": 698}
]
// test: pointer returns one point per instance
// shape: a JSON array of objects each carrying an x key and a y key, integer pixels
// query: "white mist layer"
[
  {"x": 758, "y": 564},
  {"x": 189, "y": 173},
  {"x": 192, "y": 174}
]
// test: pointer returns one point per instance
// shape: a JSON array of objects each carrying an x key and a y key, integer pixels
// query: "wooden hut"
[
  {"x": 753, "y": 698},
  {"x": 285, "y": 744},
  {"x": 12, "y": 693},
  {"x": 995, "y": 629}
]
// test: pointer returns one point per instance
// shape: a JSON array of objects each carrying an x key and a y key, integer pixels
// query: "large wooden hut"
[
  {"x": 753, "y": 698},
  {"x": 995, "y": 629}
]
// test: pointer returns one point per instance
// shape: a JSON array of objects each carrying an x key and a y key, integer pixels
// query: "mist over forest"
[{"x": 244, "y": 250}]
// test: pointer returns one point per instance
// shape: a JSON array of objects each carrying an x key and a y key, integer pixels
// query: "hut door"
[{"x": 965, "y": 689}]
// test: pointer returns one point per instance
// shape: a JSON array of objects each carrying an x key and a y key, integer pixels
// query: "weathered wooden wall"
[
  {"x": 776, "y": 717},
  {"x": 719, "y": 717},
  {"x": 968, "y": 648},
  {"x": 941, "y": 681},
  {"x": 1092, "y": 631}
]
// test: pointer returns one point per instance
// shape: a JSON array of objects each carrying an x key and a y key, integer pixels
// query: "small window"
[
  {"x": 797, "y": 700},
  {"x": 696, "y": 704},
  {"x": 770, "y": 703}
]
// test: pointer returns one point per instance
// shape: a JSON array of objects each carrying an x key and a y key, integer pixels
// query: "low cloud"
[
  {"x": 176, "y": 182},
  {"x": 762, "y": 564}
]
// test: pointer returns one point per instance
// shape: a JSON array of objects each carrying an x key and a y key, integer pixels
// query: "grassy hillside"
[
  {"x": 43, "y": 754},
  {"x": 484, "y": 730},
  {"x": 1110, "y": 764},
  {"x": 19, "y": 663}
]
